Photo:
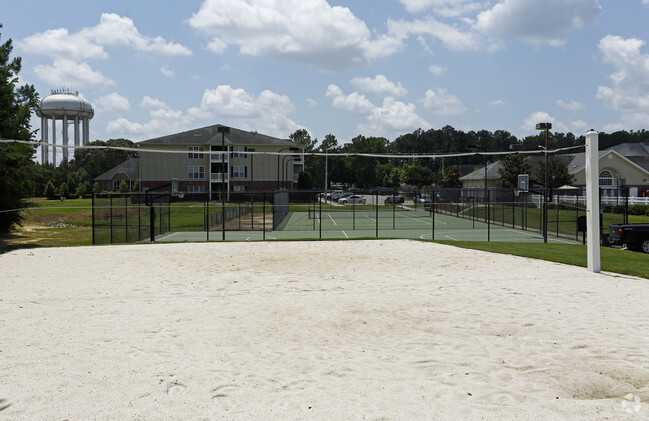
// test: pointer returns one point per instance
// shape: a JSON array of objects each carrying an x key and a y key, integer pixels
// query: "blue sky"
[{"x": 376, "y": 68}]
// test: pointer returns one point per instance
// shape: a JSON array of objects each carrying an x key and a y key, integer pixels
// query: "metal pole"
[
  {"x": 545, "y": 195},
  {"x": 223, "y": 184},
  {"x": 592, "y": 201}
]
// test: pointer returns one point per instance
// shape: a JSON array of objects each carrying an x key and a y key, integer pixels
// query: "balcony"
[
  {"x": 218, "y": 157},
  {"x": 217, "y": 177}
]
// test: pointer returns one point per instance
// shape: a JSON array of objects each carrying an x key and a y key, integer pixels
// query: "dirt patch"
[{"x": 249, "y": 222}]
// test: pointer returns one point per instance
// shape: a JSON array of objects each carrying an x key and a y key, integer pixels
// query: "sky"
[{"x": 347, "y": 68}]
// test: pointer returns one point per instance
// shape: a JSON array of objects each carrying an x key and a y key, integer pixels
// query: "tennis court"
[{"x": 374, "y": 222}]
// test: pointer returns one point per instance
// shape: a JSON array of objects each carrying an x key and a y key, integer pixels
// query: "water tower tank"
[
  {"x": 71, "y": 105},
  {"x": 70, "y": 108}
]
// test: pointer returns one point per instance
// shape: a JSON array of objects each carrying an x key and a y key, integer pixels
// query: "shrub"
[
  {"x": 639, "y": 210},
  {"x": 50, "y": 191},
  {"x": 64, "y": 191},
  {"x": 123, "y": 187}
]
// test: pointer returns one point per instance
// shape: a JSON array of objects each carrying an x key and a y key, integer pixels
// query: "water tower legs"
[
  {"x": 54, "y": 142},
  {"x": 44, "y": 149},
  {"x": 65, "y": 137}
]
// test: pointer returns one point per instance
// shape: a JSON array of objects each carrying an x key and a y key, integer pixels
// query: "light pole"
[
  {"x": 223, "y": 130},
  {"x": 292, "y": 149},
  {"x": 546, "y": 127}
]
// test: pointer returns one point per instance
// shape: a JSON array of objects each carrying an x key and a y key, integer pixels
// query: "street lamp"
[
  {"x": 292, "y": 149},
  {"x": 223, "y": 130},
  {"x": 546, "y": 127}
]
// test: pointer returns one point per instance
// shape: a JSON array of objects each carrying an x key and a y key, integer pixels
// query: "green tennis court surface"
[{"x": 386, "y": 223}]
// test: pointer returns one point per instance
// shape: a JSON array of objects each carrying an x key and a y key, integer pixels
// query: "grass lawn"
[
  {"x": 53, "y": 223},
  {"x": 612, "y": 259}
]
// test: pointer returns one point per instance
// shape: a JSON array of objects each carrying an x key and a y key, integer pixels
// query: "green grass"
[{"x": 612, "y": 259}]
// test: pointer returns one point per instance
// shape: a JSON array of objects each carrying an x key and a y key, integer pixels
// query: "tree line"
[{"x": 368, "y": 172}]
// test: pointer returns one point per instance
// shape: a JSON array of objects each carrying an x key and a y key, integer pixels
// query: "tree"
[
  {"x": 304, "y": 180},
  {"x": 50, "y": 190},
  {"x": 451, "y": 178},
  {"x": 416, "y": 175},
  {"x": 513, "y": 165},
  {"x": 64, "y": 190},
  {"x": 123, "y": 187},
  {"x": 558, "y": 174},
  {"x": 16, "y": 165},
  {"x": 82, "y": 189},
  {"x": 136, "y": 186}
]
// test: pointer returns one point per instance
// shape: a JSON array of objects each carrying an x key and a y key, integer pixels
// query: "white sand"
[{"x": 317, "y": 330}]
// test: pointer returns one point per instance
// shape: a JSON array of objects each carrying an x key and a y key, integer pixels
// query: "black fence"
[
  {"x": 136, "y": 217},
  {"x": 129, "y": 217}
]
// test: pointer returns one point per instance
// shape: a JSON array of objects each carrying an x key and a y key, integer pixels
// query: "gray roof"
[
  {"x": 130, "y": 167},
  {"x": 638, "y": 153},
  {"x": 212, "y": 136},
  {"x": 492, "y": 172}
]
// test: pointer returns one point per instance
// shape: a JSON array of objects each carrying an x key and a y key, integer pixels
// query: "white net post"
[{"x": 592, "y": 201}]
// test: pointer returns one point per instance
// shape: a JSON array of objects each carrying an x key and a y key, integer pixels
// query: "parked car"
[
  {"x": 353, "y": 199},
  {"x": 634, "y": 236},
  {"x": 422, "y": 199},
  {"x": 334, "y": 195},
  {"x": 393, "y": 200}
]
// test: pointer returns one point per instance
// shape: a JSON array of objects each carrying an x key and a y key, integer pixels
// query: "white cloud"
[
  {"x": 392, "y": 116},
  {"x": 354, "y": 102},
  {"x": 497, "y": 103},
  {"x": 89, "y": 42},
  {"x": 439, "y": 101},
  {"x": 306, "y": 31},
  {"x": 570, "y": 106},
  {"x": 538, "y": 22},
  {"x": 529, "y": 124},
  {"x": 630, "y": 121},
  {"x": 268, "y": 112},
  {"x": 454, "y": 38},
  {"x": 166, "y": 71},
  {"x": 114, "y": 102},
  {"x": 437, "y": 70},
  {"x": 629, "y": 90},
  {"x": 59, "y": 43},
  {"x": 448, "y": 8},
  {"x": 118, "y": 30},
  {"x": 379, "y": 85},
  {"x": 70, "y": 73},
  {"x": 149, "y": 103}
]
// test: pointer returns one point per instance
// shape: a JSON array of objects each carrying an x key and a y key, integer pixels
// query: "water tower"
[{"x": 71, "y": 109}]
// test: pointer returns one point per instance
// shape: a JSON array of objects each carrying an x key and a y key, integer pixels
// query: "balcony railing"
[
  {"x": 218, "y": 157},
  {"x": 217, "y": 177}
]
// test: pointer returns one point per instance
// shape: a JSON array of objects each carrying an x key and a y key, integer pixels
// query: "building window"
[
  {"x": 195, "y": 172},
  {"x": 195, "y": 152},
  {"x": 239, "y": 188},
  {"x": 239, "y": 152},
  {"x": 606, "y": 178},
  {"x": 195, "y": 189},
  {"x": 239, "y": 172}
]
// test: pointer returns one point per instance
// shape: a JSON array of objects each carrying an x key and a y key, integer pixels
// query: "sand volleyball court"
[{"x": 350, "y": 330}]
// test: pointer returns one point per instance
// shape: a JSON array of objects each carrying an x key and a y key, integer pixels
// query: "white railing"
[
  {"x": 217, "y": 177},
  {"x": 607, "y": 200},
  {"x": 218, "y": 157}
]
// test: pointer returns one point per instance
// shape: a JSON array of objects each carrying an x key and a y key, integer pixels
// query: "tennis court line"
[
  {"x": 540, "y": 236},
  {"x": 345, "y": 234},
  {"x": 425, "y": 221},
  {"x": 332, "y": 220}
]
